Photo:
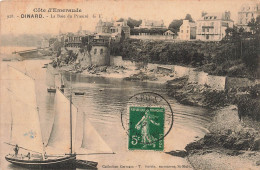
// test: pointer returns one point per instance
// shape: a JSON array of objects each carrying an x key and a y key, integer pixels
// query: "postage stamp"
[
  {"x": 147, "y": 119},
  {"x": 146, "y": 130}
]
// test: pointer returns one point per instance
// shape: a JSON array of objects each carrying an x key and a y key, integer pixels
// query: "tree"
[
  {"x": 175, "y": 25},
  {"x": 120, "y": 20},
  {"x": 122, "y": 36},
  {"x": 133, "y": 23},
  {"x": 188, "y": 17},
  {"x": 254, "y": 25}
]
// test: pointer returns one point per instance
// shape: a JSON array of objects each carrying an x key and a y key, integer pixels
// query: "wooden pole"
[{"x": 70, "y": 116}]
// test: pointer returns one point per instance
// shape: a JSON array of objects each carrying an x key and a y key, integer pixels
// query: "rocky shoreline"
[{"x": 232, "y": 143}]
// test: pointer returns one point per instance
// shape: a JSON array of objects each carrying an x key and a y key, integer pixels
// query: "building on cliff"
[
  {"x": 187, "y": 30},
  {"x": 212, "y": 26},
  {"x": 73, "y": 40},
  {"x": 97, "y": 50},
  {"x": 151, "y": 24},
  {"x": 246, "y": 13},
  {"x": 114, "y": 29}
]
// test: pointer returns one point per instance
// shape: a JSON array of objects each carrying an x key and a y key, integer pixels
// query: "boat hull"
[
  {"x": 61, "y": 162},
  {"x": 79, "y": 93},
  {"x": 83, "y": 164},
  {"x": 50, "y": 90}
]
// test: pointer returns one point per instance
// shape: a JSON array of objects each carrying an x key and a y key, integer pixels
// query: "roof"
[
  {"x": 104, "y": 23},
  {"x": 169, "y": 31},
  {"x": 153, "y": 23},
  {"x": 216, "y": 16}
]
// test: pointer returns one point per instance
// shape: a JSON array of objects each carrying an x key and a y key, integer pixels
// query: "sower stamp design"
[
  {"x": 146, "y": 130},
  {"x": 147, "y": 118}
]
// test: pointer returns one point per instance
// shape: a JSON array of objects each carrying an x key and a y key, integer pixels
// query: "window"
[
  {"x": 203, "y": 29},
  {"x": 95, "y": 51},
  {"x": 181, "y": 31},
  {"x": 215, "y": 17},
  {"x": 207, "y": 37},
  {"x": 101, "y": 51},
  {"x": 207, "y": 29},
  {"x": 187, "y": 26},
  {"x": 187, "y": 31},
  {"x": 212, "y": 23}
]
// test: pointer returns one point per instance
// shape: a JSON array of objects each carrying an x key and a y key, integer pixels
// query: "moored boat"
[
  {"x": 79, "y": 93},
  {"x": 51, "y": 90},
  {"x": 71, "y": 130},
  {"x": 39, "y": 162}
]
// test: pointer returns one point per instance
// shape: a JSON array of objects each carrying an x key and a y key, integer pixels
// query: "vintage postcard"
[{"x": 121, "y": 84}]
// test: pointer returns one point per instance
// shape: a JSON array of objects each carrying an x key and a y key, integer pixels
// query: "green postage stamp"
[{"x": 146, "y": 128}]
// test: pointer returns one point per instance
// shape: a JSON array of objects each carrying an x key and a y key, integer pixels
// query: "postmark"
[{"x": 147, "y": 119}]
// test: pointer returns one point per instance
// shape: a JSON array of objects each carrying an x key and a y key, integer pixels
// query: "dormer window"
[{"x": 215, "y": 17}]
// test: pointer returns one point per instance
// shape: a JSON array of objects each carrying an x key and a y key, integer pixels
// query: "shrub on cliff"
[
  {"x": 249, "y": 105},
  {"x": 216, "y": 58}
]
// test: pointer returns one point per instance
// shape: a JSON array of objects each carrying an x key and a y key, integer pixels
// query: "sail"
[
  {"x": 92, "y": 141},
  {"x": 50, "y": 77},
  {"x": 57, "y": 80},
  {"x": 60, "y": 134},
  {"x": 25, "y": 131}
]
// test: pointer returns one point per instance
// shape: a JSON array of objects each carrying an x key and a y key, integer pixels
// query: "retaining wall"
[
  {"x": 199, "y": 77},
  {"x": 180, "y": 71},
  {"x": 233, "y": 82},
  {"x": 216, "y": 82}
]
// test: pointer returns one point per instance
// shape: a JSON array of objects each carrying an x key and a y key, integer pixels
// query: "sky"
[{"x": 167, "y": 10}]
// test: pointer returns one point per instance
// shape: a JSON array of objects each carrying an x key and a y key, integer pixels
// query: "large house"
[
  {"x": 187, "y": 30},
  {"x": 212, "y": 26},
  {"x": 151, "y": 24},
  {"x": 118, "y": 27},
  {"x": 246, "y": 13},
  {"x": 103, "y": 26},
  {"x": 113, "y": 28}
]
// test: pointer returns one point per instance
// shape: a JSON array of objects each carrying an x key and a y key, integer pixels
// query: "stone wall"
[
  {"x": 199, "y": 77},
  {"x": 118, "y": 61},
  {"x": 180, "y": 71},
  {"x": 233, "y": 82},
  {"x": 216, "y": 82}
]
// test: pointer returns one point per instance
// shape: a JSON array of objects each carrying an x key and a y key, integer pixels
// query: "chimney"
[
  {"x": 203, "y": 13},
  {"x": 227, "y": 15}
]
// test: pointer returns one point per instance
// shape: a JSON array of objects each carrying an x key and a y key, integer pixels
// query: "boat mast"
[{"x": 70, "y": 116}]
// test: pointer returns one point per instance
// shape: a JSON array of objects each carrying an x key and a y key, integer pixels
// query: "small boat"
[
  {"x": 79, "y": 93},
  {"x": 51, "y": 90},
  {"x": 83, "y": 164},
  {"x": 26, "y": 136},
  {"x": 39, "y": 162},
  {"x": 6, "y": 59},
  {"x": 101, "y": 89}
]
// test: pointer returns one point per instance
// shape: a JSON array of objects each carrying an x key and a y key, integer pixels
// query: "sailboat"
[
  {"x": 69, "y": 133},
  {"x": 50, "y": 80},
  {"x": 54, "y": 80}
]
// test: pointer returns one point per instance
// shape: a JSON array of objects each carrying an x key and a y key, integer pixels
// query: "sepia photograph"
[{"x": 130, "y": 84}]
